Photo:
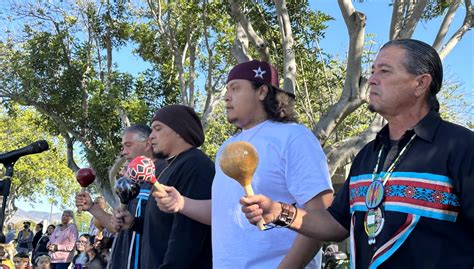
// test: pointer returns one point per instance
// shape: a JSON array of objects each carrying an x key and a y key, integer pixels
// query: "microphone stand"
[{"x": 5, "y": 184}]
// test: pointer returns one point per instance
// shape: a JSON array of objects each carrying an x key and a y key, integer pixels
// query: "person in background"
[
  {"x": 41, "y": 246},
  {"x": 21, "y": 261},
  {"x": 25, "y": 239},
  {"x": 103, "y": 247},
  {"x": 11, "y": 233},
  {"x": 43, "y": 262},
  {"x": 99, "y": 231},
  {"x": 38, "y": 234},
  {"x": 6, "y": 262},
  {"x": 80, "y": 259},
  {"x": 95, "y": 260},
  {"x": 62, "y": 240}
]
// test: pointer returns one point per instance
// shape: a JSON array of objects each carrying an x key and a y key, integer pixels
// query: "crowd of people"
[
  {"x": 407, "y": 200},
  {"x": 59, "y": 247}
]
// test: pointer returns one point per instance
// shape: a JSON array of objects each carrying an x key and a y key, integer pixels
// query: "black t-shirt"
[
  {"x": 174, "y": 240},
  {"x": 36, "y": 238},
  {"x": 41, "y": 247},
  {"x": 428, "y": 201}
]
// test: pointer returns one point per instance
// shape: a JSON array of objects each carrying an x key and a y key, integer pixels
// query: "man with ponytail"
[{"x": 408, "y": 200}]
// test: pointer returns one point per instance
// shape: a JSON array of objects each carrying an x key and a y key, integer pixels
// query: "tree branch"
[
  {"x": 443, "y": 29},
  {"x": 289, "y": 62},
  {"x": 350, "y": 98},
  {"x": 260, "y": 44},
  {"x": 207, "y": 109},
  {"x": 397, "y": 19},
  {"x": 413, "y": 18},
  {"x": 338, "y": 153},
  {"x": 69, "y": 150},
  {"x": 457, "y": 36},
  {"x": 192, "y": 72},
  {"x": 241, "y": 45}
]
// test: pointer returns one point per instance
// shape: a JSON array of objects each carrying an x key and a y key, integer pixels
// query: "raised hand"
[
  {"x": 259, "y": 207},
  {"x": 170, "y": 201},
  {"x": 84, "y": 201}
]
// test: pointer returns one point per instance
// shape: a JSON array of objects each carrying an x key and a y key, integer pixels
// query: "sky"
[{"x": 458, "y": 65}]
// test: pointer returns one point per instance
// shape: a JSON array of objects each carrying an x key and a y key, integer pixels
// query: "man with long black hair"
[{"x": 292, "y": 166}]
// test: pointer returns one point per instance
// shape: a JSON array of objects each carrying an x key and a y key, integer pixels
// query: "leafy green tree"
[
  {"x": 45, "y": 174},
  {"x": 53, "y": 67}
]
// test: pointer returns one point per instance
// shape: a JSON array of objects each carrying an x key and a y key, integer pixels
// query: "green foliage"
[
  {"x": 44, "y": 174},
  {"x": 82, "y": 221},
  {"x": 455, "y": 106},
  {"x": 217, "y": 131},
  {"x": 184, "y": 24},
  {"x": 435, "y": 9},
  {"x": 59, "y": 73}
]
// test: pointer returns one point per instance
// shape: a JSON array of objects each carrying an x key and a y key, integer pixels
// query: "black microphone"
[{"x": 12, "y": 156}]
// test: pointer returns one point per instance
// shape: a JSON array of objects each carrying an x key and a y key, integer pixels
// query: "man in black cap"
[{"x": 174, "y": 240}]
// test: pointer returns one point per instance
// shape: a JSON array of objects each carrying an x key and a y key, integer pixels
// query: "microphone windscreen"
[{"x": 43, "y": 145}]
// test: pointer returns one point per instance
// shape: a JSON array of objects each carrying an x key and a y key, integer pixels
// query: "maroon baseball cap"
[{"x": 257, "y": 71}]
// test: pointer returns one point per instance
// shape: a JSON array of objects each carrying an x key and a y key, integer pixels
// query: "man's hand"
[
  {"x": 121, "y": 220},
  {"x": 171, "y": 201},
  {"x": 257, "y": 207},
  {"x": 84, "y": 201}
]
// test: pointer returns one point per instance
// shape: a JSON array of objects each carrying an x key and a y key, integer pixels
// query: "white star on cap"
[{"x": 259, "y": 73}]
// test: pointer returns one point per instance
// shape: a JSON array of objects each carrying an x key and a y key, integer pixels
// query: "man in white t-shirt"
[{"x": 292, "y": 168}]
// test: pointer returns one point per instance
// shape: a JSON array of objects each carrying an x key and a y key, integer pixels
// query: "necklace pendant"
[
  {"x": 374, "y": 196},
  {"x": 373, "y": 224}
]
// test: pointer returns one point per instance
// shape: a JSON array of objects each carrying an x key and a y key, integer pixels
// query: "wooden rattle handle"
[{"x": 249, "y": 191}]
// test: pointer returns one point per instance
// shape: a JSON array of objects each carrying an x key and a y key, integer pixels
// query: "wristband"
[{"x": 287, "y": 215}]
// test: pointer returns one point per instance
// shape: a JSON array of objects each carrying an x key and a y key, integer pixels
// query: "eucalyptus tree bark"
[
  {"x": 168, "y": 30},
  {"x": 10, "y": 207},
  {"x": 213, "y": 94},
  {"x": 354, "y": 92},
  {"x": 413, "y": 15},
  {"x": 241, "y": 44},
  {"x": 69, "y": 149},
  {"x": 180, "y": 58},
  {"x": 443, "y": 29},
  {"x": 192, "y": 71},
  {"x": 257, "y": 41},
  {"x": 338, "y": 153},
  {"x": 396, "y": 22},
  {"x": 108, "y": 44},
  {"x": 467, "y": 25},
  {"x": 289, "y": 62}
]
